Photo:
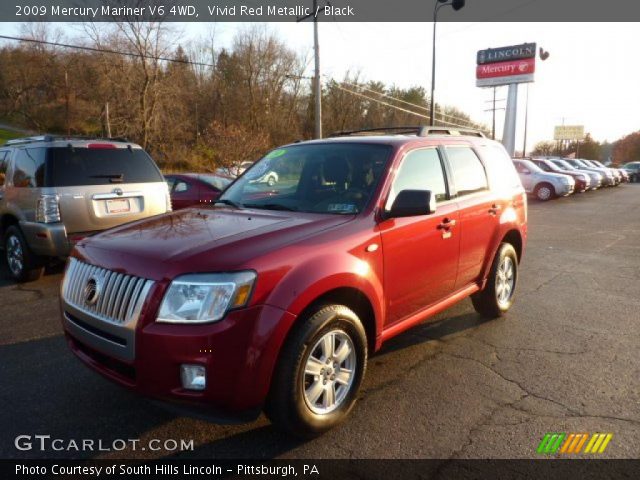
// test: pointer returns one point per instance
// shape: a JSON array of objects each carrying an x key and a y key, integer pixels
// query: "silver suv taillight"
[{"x": 48, "y": 209}]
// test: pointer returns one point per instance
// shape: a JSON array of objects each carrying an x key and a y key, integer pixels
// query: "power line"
[
  {"x": 395, "y": 106},
  {"x": 405, "y": 102},
  {"x": 106, "y": 50}
]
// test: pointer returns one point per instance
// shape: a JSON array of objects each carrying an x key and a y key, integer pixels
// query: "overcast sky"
[{"x": 590, "y": 78}]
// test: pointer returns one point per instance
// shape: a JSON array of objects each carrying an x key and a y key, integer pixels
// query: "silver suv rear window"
[{"x": 67, "y": 166}]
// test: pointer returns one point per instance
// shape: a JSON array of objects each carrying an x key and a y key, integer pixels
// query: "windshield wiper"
[
  {"x": 271, "y": 206},
  {"x": 228, "y": 202},
  {"x": 113, "y": 178}
]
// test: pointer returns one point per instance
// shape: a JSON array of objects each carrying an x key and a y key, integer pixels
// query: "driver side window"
[{"x": 420, "y": 170}]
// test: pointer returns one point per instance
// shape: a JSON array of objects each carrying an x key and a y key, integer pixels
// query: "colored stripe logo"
[{"x": 573, "y": 443}]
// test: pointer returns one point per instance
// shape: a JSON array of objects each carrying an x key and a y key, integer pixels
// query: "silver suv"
[
  {"x": 55, "y": 191},
  {"x": 543, "y": 185}
]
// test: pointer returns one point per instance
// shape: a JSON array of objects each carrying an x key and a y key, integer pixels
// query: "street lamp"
[{"x": 456, "y": 5}]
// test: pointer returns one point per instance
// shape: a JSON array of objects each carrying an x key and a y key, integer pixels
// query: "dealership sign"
[
  {"x": 505, "y": 54},
  {"x": 506, "y": 65},
  {"x": 568, "y": 132}
]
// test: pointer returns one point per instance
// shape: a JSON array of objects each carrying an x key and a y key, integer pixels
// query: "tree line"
[{"x": 210, "y": 107}]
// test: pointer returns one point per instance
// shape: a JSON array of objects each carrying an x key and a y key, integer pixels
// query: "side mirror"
[{"x": 411, "y": 203}]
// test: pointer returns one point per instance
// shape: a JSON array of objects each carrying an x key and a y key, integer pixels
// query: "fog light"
[{"x": 194, "y": 377}]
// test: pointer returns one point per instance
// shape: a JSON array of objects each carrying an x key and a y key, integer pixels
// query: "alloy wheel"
[
  {"x": 15, "y": 255},
  {"x": 329, "y": 372},
  {"x": 505, "y": 281},
  {"x": 544, "y": 193}
]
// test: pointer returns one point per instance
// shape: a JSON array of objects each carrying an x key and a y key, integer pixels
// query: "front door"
[{"x": 421, "y": 252}]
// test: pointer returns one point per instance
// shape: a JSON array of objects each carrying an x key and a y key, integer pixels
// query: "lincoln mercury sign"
[{"x": 505, "y": 65}]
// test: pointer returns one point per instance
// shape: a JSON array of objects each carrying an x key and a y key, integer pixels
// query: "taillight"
[{"x": 48, "y": 209}]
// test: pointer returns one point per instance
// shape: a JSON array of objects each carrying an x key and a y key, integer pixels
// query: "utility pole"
[
  {"x": 493, "y": 110},
  {"x": 107, "y": 121},
  {"x": 317, "y": 86}
]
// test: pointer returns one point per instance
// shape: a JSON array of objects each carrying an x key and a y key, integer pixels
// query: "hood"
[
  {"x": 558, "y": 175},
  {"x": 194, "y": 240}
]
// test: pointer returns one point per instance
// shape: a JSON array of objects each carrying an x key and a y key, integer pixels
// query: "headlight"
[{"x": 205, "y": 298}]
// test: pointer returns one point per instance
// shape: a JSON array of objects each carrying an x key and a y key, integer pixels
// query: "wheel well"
[
  {"x": 514, "y": 238},
  {"x": 356, "y": 301},
  {"x": 5, "y": 222}
]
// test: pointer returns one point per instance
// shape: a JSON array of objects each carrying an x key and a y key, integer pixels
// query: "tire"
[
  {"x": 492, "y": 302},
  {"x": 294, "y": 405},
  {"x": 22, "y": 263},
  {"x": 544, "y": 191}
]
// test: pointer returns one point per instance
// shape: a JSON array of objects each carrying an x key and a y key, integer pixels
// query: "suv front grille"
[{"x": 105, "y": 294}]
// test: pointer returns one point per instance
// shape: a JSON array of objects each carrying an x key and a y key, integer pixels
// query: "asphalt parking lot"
[{"x": 564, "y": 360}]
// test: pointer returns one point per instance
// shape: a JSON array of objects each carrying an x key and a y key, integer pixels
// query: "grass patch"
[{"x": 7, "y": 135}]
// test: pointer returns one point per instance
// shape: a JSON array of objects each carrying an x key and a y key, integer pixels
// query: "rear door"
[
  {"x": 185, "y": 193},
  {"x": 102, "y": 187},
  {"x": 420, "y": 253},
  {"x": 479, "y": 210}
]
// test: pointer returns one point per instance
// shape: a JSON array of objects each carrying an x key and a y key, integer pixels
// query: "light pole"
[{"x": 456, "y": 5}]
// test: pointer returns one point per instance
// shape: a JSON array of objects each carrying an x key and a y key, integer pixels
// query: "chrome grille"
[{"x": 119, "y": 296}]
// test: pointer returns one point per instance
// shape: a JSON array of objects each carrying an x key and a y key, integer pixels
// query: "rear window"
[{"x": 68, "y": 167}]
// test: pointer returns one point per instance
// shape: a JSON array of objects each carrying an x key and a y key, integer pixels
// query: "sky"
[{"x": 589, "y": 79}]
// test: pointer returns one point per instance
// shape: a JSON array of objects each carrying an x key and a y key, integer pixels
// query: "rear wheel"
[
  {"x": 24, "y": 265},
  {"x": 497, "y": 296},
  {"x": 544, "y": 192},
  {"x": 320, "y": 370}
]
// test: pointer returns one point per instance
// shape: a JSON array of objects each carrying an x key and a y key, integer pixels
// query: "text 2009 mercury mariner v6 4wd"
[{"x": 273, "y": 298}]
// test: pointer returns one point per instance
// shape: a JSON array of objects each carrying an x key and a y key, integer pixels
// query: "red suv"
[{"x": 273, "y": 298}]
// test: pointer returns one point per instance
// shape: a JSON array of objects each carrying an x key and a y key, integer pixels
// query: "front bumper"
[
  {"x": 564, "y": 189},
  {"x": 239, "y": 353}
]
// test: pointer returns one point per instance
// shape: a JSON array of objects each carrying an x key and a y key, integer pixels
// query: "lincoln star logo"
[{"x": 92, "y": 291}]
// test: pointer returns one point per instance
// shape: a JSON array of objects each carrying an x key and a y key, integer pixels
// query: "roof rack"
[
  {"x": 53, "y": 138},
  {"x": 419, "y": 131}
]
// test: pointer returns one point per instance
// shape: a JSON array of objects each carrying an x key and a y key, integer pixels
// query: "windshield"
[
  {"x": 215, "y": 181},
  {"x": 564, "y": 164},
  {"x": 531, "y": 166},
  {"x": 336, "y": 178}
]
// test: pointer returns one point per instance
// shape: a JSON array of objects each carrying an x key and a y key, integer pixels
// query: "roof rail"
[
  {"x": 53, "y": 138},
  {"x": 420, "y": 131}
]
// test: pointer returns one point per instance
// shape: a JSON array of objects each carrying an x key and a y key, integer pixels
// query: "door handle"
[
  {"x": 495, "y": 208},
  {"x": 446, "y": 224}
]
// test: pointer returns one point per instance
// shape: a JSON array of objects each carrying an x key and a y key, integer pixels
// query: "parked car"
[
  {"x": 55, "y": 191},
  {"x": 633, "y": 170},
  {"x": 543, "y": 185},
  {"x": 234, "y": 171},
  {"x": 595, "y": 177},
  {"x": 273, "y": 299},
  {"x": 189, "y": 189},
  {"x": 614, "y": 171},
  {"x": 583, "y": 182},
  {"x": 624, "y": 177},
  {"x": 608, "y": 179}
]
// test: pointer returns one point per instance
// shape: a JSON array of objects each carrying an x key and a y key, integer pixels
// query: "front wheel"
[
  {"x": 319, "y": 372},
  {"x": 544, "y": 192},
  {"x": 497, "y": 296}
]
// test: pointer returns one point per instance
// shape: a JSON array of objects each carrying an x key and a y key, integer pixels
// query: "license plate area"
[{"x": 118, "y": 205}]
